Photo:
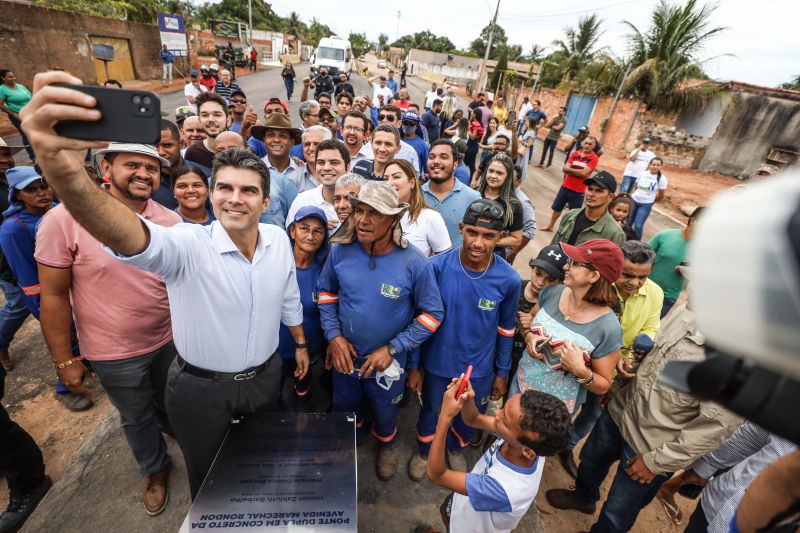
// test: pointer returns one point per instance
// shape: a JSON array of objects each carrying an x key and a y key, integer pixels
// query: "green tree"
[
  {"x": 316, "y": 31},
  {"x": 578, "y": 47},
  {"x": 793, "y": 85},
  {"x": 383, "y": 39},
  {"x": 425, "y": 40},
  {"x": 293, "y": 25},
  {"x": 499, "y": 70},
  {"x": 666, "y": 55},
  {"x": 264, "y": 18},
  {"x": 499, "y": 42},
  {"x": 536, "y": 54},
  {"x": 359, "y": 43}
]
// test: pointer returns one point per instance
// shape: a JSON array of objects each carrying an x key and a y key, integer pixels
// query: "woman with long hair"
[
  {"x": 422, "y": 226},
  {"x": 649, "y": 189},
  {"x": 487, "y": 142},
  {"x": 288, "y": 76},
  {"x": 453, "y": 126},
  {"x": 497, "y": 183},
  {"x": 574, "y": 339},
  {"x": 13, "y": 97},
  {"x": 190, "y": 188},
  {"x": 473, "y": 143},
  {"x": 500, "y": 111}
]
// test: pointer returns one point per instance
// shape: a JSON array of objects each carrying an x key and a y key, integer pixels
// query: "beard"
[{"x": 123, "y": 186}]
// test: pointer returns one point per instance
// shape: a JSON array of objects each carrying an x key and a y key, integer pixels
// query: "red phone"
[{"x": 464, "y": 383}]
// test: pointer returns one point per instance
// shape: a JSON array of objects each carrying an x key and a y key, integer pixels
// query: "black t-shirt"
[
  {"x": 581, "y": 223},
  {"x": 198, "y": 153},
  {"x": 516, "y": 223},
  {"x": 344, "y": 87}
]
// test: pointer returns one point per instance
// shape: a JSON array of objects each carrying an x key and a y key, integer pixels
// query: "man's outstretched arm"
[{"x": 62, "y": 160}]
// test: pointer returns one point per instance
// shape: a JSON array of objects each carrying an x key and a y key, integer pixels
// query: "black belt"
[{"x": 244, "y": 375}]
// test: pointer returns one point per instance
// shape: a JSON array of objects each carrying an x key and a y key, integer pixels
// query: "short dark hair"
[
  {"x": 241, "y": 158},
  {"x": 638, "y": 252},
  {"x": 392, "y": 109},
  {"x": 344, "y": 94},
  {"x": 172, "y": 127},
  {"x": 207, "y": 97},
  {"x": 112, "y": 82},
  {"x": 359, "y": 115},
  {"x": 445, "y": 142},
  {"x": 335, "y": 144},
  {"x": 412, "y": 104},
  {"x": 388, "y": 128},
  {"x": 537, "y": 102},
  {"x": 437, "y": 102},
  {"x": 546, "y": 415},
  {"x": 327, "y": 95},
  {"x": 177, "y": 172}
]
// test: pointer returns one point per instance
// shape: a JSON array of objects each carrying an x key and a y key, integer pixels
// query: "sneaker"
[
  {"x": 386, "y": 465},
  {"x": 156, "y": 492},
  {"x": 74, "y": 402},
  {"x": 567, "y": 460},
  {"x": 6, "y": 361},
  {"x": 457, "y": 460},
  {"x": 568, "y": 499},
  {"x": 417, "y": 467},
  {"x": 21, "y": 506}
]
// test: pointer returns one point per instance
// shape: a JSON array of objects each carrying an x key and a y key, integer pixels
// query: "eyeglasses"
[
  {"x": 485, "y": 210},
  {"x": 355, "y": 129},
  {"x": 573, "y": 263},
  {"x": 327, "y": 119},
  {"x": 238, "y": 101},
  {"x": 390, "y": 118}
]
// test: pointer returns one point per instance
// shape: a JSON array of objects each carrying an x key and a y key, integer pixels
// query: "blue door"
[{"x": 579, "y": 112}]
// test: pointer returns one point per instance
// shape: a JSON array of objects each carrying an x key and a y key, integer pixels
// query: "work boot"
[
  {"x": 6, "y": 361},
  {"x": 74, "y": 402},
  {"x": 156, "y": 492},
  {"x": 568, "y": 499},
  {"x": 457, "y": 460},
  {"x": 567, "y": 460},
  {"x": 417, "y": 467},
  {"x": 21, "y": 506},
  {"x": 386, "y": 465}
]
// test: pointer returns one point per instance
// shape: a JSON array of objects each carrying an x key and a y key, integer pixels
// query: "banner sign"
[
  {"x": 224, "y": 29},
  {"x": 282, "y": 472},
  {"x": 103, "y": 52},
  {"x": 173, "y": 33},
  {"x": 171, "y": 23}
]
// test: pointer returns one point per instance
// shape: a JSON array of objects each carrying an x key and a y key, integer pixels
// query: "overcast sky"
[{"x": 762, "y": 36}]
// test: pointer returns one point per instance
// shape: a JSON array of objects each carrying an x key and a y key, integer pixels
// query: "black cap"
[
  {"x": 583, "y": 128},
  {"x": 551, "y": 259},
  {"x": 604, "y": 179}
]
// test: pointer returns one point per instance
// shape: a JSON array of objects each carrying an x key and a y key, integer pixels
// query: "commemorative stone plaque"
[{"x": 281, "y": 472}]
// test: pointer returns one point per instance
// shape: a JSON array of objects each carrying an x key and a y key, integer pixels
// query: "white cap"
[{"x": 130, "y": 148}]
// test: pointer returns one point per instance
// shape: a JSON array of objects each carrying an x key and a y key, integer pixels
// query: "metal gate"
[
  {"x": 579, "y": 111},
  {"x": 121, "y": 68}
]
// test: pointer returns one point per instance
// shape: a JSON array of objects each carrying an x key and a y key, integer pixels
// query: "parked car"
[{"x": 381, "y": 64}]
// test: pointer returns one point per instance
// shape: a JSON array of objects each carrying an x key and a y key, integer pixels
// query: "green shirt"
[
  {"x": 553, "y": 135},
  {"x": 16, "y": 98},
  {"x": 670, "y": 248},
  {"x": 605, "y": 228}
]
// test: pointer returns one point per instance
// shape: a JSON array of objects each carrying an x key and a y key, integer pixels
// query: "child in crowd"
[
  {"x": 503, "y": 483},
  {"x": 620, "y": 208}
]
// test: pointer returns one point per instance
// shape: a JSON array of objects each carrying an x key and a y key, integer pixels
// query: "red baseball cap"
[{"x": 604, "y": 256}]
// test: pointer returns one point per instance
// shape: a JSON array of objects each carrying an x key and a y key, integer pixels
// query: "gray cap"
[{"x": 380, "y": 196}]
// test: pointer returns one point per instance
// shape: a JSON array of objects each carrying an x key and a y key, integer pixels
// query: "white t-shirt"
[
  {"x": 498, "y": 494},
  {"x": 385, "y": 91},
  {"x": 428, "y": 233},
  {"x": 634, "y": 168},
  {"x": 311, "y": 197},
  {"x": 524, "y": 109},
  {"x": 194, "y": 92},
  {"x": 647, "y": 187},
  {"x": 430, "y": 96}
]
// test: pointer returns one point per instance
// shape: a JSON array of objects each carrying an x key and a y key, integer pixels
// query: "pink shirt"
[{"x": 120, "y": 311}]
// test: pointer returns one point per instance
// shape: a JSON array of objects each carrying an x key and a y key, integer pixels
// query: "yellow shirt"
[
  {"x": 641, "y": 313},
  {"x": 500, "y": 113}
]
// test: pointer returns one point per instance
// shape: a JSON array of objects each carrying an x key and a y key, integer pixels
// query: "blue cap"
[
  {"x": 19, "y": 178},
  {"x": 411, "y": 115},
  {"x": 193, "y": 73},
  {"x": 310, "y": 211},
  {"x": 642, "y": 343}
]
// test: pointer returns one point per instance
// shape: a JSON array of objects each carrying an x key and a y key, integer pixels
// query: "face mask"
[{"x": 409, "y": 130}]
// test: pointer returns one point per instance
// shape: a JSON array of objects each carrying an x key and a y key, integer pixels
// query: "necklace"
[
  {"x": 568, "y": 315},
  {"x": 485, "y": 270}
]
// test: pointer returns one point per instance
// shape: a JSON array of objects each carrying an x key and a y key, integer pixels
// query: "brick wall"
[
  {"x": 33, "y": 39},
  {"x": 675, "y": 147}
]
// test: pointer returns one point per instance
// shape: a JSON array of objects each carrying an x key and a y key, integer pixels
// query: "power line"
[{"x": 553, "y": 15}]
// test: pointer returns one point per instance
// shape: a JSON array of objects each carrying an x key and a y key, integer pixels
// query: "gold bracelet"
[{"x": 65, "y": 364}]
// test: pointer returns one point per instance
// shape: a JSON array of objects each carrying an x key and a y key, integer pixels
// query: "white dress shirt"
[
  {"x": 314, "y": 198},
  {"x": 226, "y": 311}
]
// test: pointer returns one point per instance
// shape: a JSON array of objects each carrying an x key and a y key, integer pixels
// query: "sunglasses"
[
  {"x": 572, "y": 263},
  {"x": 238, "y": 101},
  {"x": 327, "y": 119},
  {"x": 408, "y": 123},
  {"x": 486, "y": 211},
  {"x": 390, "y": 118}
]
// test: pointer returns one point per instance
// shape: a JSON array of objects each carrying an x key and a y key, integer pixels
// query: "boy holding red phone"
[{"x": 504, "y": 482}]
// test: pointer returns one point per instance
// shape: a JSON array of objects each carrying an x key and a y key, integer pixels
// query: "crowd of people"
[{"x": 369, "y": 248}]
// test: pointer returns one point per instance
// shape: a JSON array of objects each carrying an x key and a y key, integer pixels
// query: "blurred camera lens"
[
  {"x": 142, "y": 109},
  {"x": 147, "y": 100},
  {"x": 137, "y": 99}
]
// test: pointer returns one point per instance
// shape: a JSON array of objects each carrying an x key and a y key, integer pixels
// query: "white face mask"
[{"x": 409, "y": 130}]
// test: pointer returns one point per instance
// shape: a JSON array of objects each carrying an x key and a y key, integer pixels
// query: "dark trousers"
[
  {"x": 626, "y": 497},
  {"x": 20, "y": 458},
  {"x": 668, "y": 304},
  {"x": 549, "y": 144},
  {"x": 201, "y": 410},
  {"x": 289, "y": 84},
  {"x": 584, "y": 422},
  {"x": 135, "y": 387},
  {"x": 17, "y": 124},
  {"x": 697, "y": 522}
]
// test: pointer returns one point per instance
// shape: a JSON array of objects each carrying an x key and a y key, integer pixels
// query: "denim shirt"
[{"x": 282, "y": 193}]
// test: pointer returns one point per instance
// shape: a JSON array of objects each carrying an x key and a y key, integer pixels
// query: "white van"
[{"x": 335, "y": 53}]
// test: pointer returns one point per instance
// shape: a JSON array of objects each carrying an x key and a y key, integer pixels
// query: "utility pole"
[
  {"x": 250, "y": 20},
  {"x": 482, "y": 70},
  {"x": 397, "y": 31},
  {"x": 614, "y": 103}
]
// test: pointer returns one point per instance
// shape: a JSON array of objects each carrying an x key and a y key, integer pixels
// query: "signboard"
[
  {"x": 281, "y": 472},
  {"x": 224, "y": 29},
  {"x": 104, "y": 52},
  {"x": 173, "y": 33}
]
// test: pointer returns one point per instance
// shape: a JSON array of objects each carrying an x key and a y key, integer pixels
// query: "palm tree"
[
  {"x": 536, "y": 55},
  {"x": 665, "y": 56},
  {"x": 579, "y": 47},
  {"x": 293, "y": 25}
]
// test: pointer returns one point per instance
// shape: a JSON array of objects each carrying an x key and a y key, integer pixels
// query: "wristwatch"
[
  {"x": 301, "y": 345},
  {"x": 392, "y": 349},
  {"x": 588, "y": 380}
]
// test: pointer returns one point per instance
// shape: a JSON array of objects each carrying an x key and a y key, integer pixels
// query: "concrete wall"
[
  {"x": 33, "y": 39},
  {"x": 753, "y": 125}
]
